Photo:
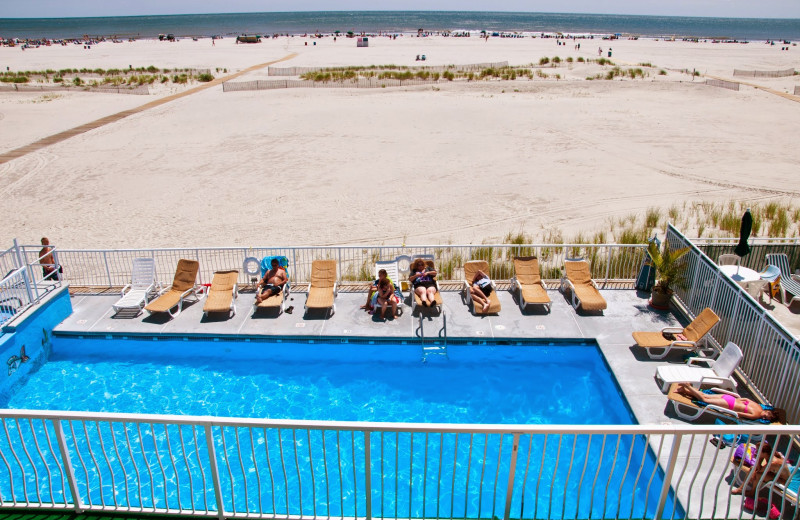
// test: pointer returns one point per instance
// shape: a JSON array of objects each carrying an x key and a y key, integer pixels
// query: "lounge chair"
[
  {"x": 470, "y": 268},
  {"x": 528, "y": 283},
  {"x": 183, "y": 287},
  {"x": 222, "y": 294},
  {"x": 143, "y": 284},
  {"x": 578, "y": 279},
  {"x": 416, "y": 301},
  {"x": 689, "y": 410},
  {"x": 719, "y": 372},
  {"x": 322, "y": 289},
  {"x": 676, "y": 337},
  {"x": 790, "y": 283},
  {"x": 276, "y": 301}
]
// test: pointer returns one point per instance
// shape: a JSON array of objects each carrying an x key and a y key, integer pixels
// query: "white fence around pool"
[
  {"x": 112, "y": 267},
  {"x": 249, "y": 468},
  {"x": 23, "y": 284},
  {"x": 771, "y": 362}
]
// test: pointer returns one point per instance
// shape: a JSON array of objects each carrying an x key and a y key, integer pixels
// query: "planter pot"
[{"x": 660, "y": 300}]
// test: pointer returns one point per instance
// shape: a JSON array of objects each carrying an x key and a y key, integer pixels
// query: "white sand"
[{"x": 459, "y": 162}]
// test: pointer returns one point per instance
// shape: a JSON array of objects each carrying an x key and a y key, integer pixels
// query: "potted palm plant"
[{"x": 670, "y": 272}]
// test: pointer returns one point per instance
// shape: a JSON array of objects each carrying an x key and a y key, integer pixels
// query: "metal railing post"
[
  {"x": 608, "y": 265},
  {"x": 70, "y": 472},
  {"x": 212, "y": 459},
  {"x": 670, "y": 469},
  {"x": 511, "y": 470},
  {"x": 27, "y": 274},
  {"x": 108, "y": 270},
  {"x": 368, "y": 474}
]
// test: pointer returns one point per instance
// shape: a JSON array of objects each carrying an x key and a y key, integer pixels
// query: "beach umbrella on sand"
[{"x": 743, "y": 248}]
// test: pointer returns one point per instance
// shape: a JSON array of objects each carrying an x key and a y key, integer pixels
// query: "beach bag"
[{"x": 747, "y": 453}]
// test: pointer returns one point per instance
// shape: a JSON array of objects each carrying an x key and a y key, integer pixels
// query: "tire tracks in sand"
[{"x": 66, "y": 134}]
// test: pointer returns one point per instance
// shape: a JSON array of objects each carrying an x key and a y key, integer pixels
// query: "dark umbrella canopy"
[{"x": 743, "y": 248}]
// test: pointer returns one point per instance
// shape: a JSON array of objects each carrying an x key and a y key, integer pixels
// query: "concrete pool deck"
[{"x": 627, "y": 311}]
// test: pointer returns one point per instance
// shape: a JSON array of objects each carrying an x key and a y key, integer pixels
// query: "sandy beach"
[{"x": 460, "y": 162}]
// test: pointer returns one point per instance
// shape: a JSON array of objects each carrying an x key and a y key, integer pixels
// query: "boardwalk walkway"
[{"x": 66, "y": 134}]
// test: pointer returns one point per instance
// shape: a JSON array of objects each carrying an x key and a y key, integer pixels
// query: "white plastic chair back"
[
  {"x": 728, "y": 360},
  {"x": 144, "y": 273},
  {"x": 728, "y": 260},
  {"x": 781, "y": 261},
  {"x": 391, "y": 270}
]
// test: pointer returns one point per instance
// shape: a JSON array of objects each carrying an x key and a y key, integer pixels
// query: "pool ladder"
[{"x": 437, "y": 345}]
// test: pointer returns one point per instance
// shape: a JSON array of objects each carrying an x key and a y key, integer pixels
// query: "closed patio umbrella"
[{"x": 743, "y": 248}]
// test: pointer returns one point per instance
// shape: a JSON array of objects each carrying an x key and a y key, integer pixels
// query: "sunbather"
[
  {"x": 371, "y": 295},
  {"x": 272, "y": 283},
  {"x": 744, "y": 408},
  {"x": 422, "y": 279},
  {"x": 776, "y": 468},
  {"x": 386, "y": 296},
  {"x": 481, "y": 288}
]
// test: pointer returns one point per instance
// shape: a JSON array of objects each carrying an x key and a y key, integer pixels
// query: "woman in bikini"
[
  {"x": 744, "y": 408},
  {"x": 422, "y": 279}
]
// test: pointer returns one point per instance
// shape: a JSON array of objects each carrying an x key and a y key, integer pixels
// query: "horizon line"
[{"x": 394, "y": 11}]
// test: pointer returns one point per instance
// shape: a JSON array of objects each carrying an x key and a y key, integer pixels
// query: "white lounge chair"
[
  {"x": 143, "y": 284},
  {"x": 718, "y": 373},
  {"x": 790, "y": 283}
]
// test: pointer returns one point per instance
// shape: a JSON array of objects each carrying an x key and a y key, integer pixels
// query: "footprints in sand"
[{"x": 14, "y": 173}]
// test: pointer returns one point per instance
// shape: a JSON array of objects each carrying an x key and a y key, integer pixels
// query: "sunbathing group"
[
  {"x": 761, "y": 465},
  {"x": 384, "y": 292}
]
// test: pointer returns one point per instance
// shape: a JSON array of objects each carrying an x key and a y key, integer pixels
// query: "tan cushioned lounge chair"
[
  {"x": 437, "y": 297},
  {"x": 578, "y": 278},
  {"x": 470, "y": 268},
  {"x": 529, "y": 284},
  {"x": 682, "y": 403},
  {"x": 322, "y": 290},
  {"x": 222, "y": 293},
  {"x": 183, "y": 287},
  {"x": 653, "y": 342},
  {"x": 276, "y": 301}
]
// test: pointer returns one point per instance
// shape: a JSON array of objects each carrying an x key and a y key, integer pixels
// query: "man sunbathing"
[
  {"x": 744, "y": 408},
  {"x": 272, "y": 283}
]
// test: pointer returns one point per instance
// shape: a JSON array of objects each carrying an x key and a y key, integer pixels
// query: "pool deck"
[{"x": 627, "y": 311}]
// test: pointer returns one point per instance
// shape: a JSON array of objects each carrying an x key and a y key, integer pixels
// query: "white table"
[{"x": 740, "y": 274}]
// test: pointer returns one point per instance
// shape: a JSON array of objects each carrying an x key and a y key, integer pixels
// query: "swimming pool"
[{"x": 413, "y": 474}]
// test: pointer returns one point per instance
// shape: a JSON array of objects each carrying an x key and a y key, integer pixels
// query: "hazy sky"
[{"x": 722, "y": 8}]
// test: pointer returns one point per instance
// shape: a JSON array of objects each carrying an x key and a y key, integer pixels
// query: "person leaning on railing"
[{"x": 50, "y": 270}]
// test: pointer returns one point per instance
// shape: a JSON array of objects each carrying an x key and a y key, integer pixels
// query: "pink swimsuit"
[{"x": 732, "y": 402}]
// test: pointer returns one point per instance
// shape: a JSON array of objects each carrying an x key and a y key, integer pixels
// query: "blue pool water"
[
  {"x": 413, "y": 475},
  {"x": 559, "y": 384}
]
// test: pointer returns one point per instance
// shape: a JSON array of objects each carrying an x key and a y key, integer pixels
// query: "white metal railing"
[
  {"x": 254, "y": 468},
  {"x": 112, "y": 267},
  {"x": 759, "y": 248},
  {"x": 24, "y": 283},
  {"x": 771, "y": 353}
]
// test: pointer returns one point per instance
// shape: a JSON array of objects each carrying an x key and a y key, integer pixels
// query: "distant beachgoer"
[
  {"x": 481, "y": 288},
  {"x": 600, "y": 51},
  {"x": 50, "y": 270},
  {"x": 213, "y": 42}
]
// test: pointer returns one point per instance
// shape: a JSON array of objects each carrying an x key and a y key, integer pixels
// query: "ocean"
[{"x": 400, "y": 22}]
